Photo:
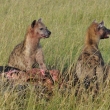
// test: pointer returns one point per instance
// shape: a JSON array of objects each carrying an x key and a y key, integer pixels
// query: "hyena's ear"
[
  {"x": 40, "y": 20},
  {"x": 33, "y": 23},
  {"x": 101, "y": 24}
]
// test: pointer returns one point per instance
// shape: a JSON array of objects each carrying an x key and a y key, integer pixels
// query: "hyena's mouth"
[
  {"x": 44, "y": 36},
  {"x": 105, "y": 36}
]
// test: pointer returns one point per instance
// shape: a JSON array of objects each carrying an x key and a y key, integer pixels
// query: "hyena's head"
[
  {"x": 100, "y": 30},
  {"x": 97, "y": 31},
  {"x": 39, "y": 29},
  {"x": 103, "y": 31}
]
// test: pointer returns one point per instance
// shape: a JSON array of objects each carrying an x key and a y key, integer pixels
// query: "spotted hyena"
[
  {"x": 90, "y": 64},
  {"x": 29, "y": 52}
]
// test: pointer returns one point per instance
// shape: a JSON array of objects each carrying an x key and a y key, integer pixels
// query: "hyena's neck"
[
  {"x": 91, "y": 41},
  {"x": 31, "y": 42}
]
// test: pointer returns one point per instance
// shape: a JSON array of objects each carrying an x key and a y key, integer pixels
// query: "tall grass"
[{"x": 68, "y": 21}]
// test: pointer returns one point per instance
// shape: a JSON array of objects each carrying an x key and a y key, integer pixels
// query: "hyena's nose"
[{"x": 49, "y": 32}]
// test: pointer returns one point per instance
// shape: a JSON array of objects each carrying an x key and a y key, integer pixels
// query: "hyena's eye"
[{"x": 41, "y": 28}]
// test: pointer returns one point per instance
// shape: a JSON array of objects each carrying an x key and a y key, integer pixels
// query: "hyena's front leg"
[
  {"x": 40, "y": 59},
  {"x": 100, "y": 76}
]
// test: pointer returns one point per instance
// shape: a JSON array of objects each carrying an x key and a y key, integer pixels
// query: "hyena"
[
  {"x": 90, "y": 64},
  {"x": 29, "y": 52}
]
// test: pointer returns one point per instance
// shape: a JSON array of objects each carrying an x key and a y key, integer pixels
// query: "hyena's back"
[{"x": 17, "y": 56}]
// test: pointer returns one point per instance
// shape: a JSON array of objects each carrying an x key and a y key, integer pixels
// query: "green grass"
[{"x": 68, "y": 21}]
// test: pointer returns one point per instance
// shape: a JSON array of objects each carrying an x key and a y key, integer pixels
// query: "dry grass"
[{"x": 68, "y": 21}]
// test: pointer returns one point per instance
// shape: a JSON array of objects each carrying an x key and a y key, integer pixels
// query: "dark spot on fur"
[{"x": 86, "y": 82}]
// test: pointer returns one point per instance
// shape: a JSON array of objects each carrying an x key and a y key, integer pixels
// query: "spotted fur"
[
  {"x": 29, "y": 52},
  {"x": 90, "y": 64}
]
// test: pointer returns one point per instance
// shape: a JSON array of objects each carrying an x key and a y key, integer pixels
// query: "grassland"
[{"x": 68, "y": 21}]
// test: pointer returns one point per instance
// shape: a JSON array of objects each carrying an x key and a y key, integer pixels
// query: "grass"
[{"x": 68, "y": 21}]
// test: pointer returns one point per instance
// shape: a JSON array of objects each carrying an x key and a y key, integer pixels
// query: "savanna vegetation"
[{"x": 68, "y": 21}]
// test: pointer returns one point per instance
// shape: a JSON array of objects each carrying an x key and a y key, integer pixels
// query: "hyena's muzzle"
[
  {"x": 106, "y": 32},
  {"x": 46, "y": 33}
]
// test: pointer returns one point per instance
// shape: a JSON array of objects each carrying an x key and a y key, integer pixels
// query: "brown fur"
[
  {"x": 90, "y": 65},
  {"x": 29, "y": 52}
]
